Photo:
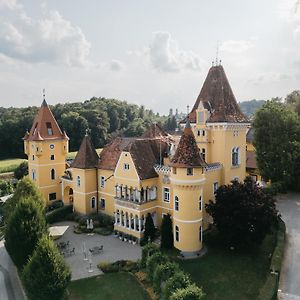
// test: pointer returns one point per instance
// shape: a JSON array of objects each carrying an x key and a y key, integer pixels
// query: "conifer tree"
[
  {"x": 25, "y": 227},
  {"x": 166, "y": 232},
  {"x": 149, "y": 228},
  {"x": 46, "y": 276}
]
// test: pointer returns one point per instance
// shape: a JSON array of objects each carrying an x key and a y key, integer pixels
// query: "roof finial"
[
  {"x": 44, "y": 92},
  {"x": 188, "y": 109},
  {"x": 217, "y": 53},
  {"x": 86, "y": 132}
]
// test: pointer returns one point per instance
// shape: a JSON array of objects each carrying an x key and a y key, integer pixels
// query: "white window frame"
[
  {"x": 93, "y": 202},
  {"x": 176, "y": 203},
  {"x": 102, "y": 200},
  {"x": 164, "y": 192},
  {"x": 126, "y": 166},
  {"x": 192, "y": 171},
  {"x": 102, "y": 181},
  {"x": 215, "y": 189},
  {"x": 235, "y": 156}
]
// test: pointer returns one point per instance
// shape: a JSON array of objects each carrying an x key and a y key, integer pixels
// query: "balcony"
[{"x": 132, "y": 197}]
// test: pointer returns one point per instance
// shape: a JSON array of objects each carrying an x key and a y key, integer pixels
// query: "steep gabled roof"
[
  {"x": 217, "y": 97},
  {"x": 44, "y": 126},
  {"x": 86, "y": 157},
  {"x": 187, "y": 153}
]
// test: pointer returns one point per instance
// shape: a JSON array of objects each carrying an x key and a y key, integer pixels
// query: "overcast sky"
[{"x": 155, "y": 53}]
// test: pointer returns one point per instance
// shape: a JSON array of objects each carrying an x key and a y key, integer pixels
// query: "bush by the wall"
[
  {"x": 148, "y": 250},
  {"x": 104, "y": 230},
  {"x": 120, "y": 265},
  {"x": 101, "y": 219},
  {"x": 59, "y": 214}
]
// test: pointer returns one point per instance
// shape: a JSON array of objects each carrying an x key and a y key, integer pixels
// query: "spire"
[
  {"x": 187, "y": 153},
  {"x": 45, "y": 124},
  {"x": 86, "y": 157},
  {"x": 44, "y": 103},
  {"x": 217, "y": 97}
]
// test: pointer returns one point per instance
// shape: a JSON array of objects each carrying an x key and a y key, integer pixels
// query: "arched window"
[
  {"x": 78, "y": 181},
  {"x": 93, "y": 202},
  {"x": 200, "y": 202},
  {"x": 33, "y": 175},
  {"x": 176, "y": 203},
  {"x": 235, "y": 156},
  {"x": 177, "y": 233},
  {"x": 52, "y": 174}
]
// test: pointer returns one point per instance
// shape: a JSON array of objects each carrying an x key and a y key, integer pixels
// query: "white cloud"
[
  {"x": 116, "y": 65},
  {"x": 50, "y": 39},
  {"x": 236, "y": 46},
  {"x": 10, "y": 4},
  {"x": 165, "y": 55}
]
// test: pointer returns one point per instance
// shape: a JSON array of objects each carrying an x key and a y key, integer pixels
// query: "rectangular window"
[
  {"x": 177, "y": 233},
  {"x": 102, "y": 181},
  {"x": 189, "y": 171},
  {"x": 215, "y": 187},
  {"x": 52, "y": 196},
  {"x": 176, "y": 203},
  {"x": 200, "y": 203},
  {"x": 200, "y": 234},
  {"x": 203, "y": 132},
  {"x": 32, "y": 157},
  {"x": 174, "y": 170},
  {"x": 102, "y": 203},
  {"x": 199, "y": 133},
  {"x": 126, "y": 166},
  {"x": 49, "y": 128},
  {"x": 166, "y": 194},
  {"x": 203, "y": 153},
  {"x": 52, "y": 157},
  {"x": 33, "y": 175},
  {"x": 93, "y": 202}
]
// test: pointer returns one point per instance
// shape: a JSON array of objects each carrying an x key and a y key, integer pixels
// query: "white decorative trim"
[
  {"x": 48, "y": 186},
  {"x": 81, "y": 193},
  {"x": 178, "y": 181},
  {"x": 45, "y": 165},
  {"x": 185, "y": 221},
  {"x": 137, "y": 210}
]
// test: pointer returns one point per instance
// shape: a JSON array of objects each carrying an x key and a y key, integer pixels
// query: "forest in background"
[{"x": 105, "y": 118}]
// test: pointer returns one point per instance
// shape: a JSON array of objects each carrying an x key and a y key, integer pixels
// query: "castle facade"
[{"x": 156, "y": 173}]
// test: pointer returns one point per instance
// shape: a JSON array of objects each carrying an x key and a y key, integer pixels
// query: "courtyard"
[{"x": 82, "y": 263}]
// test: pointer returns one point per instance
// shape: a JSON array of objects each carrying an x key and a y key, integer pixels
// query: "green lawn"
[
  {"x": 226, "y": 274},
  {"x": 9, "y": 165},
  {"x": 120, "y": 286}
]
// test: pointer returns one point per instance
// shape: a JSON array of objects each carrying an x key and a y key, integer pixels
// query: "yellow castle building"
[{"x": 156, "y": 173}]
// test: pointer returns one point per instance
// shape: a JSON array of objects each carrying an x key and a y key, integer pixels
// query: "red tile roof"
[
  {"x": 187, "y": 153},
  {"x": 44, "y": 126},
  {"x": 86, "y": 157},
  {"x": 217, "y": 97}
]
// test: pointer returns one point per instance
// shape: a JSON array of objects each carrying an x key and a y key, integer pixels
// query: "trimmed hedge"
[
  {"x": 269, "y": 289},
  {"x": 59, "y": 214},
  {"x": 147, "y": 251},
  {"x": 120, "y": 265},
  {"x": 277, "y": 256}
]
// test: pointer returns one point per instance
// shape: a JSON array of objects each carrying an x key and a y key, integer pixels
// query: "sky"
[{"x": 156, "y": 53}]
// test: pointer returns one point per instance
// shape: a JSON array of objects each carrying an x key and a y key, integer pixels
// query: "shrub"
[
  {"x": 147, "y": 251},
  {"x": 103, "y": 230},
  {"x": 154, "y": 260},
  {"x": 179, "y": 280},
  {"x": 21, "y": 170},
  {"x": 149, "y": 229},
  {"x": 162, "y": 273},
  {"x": 25, "y": 227},
  {"x": 25, "y": 189},
  {"x": 102, "y": 219},
  {"x": 120, "y": 265},
  {"x": 59, "y": 214},
  {"x": 191, "y": 292},
  {"x": 277, "y": 256},
  {"x": 46, "y": 276},
  {"x": 6, "y": 188}
]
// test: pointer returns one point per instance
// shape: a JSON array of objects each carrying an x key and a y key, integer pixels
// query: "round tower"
[{"x": 187, "y": 179}]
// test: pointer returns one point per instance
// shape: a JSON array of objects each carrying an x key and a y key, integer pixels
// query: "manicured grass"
[
  {"x": 9, "y": 165},
  {"x": 229, "y": 274},
  {"x": 121, "y": 286}
]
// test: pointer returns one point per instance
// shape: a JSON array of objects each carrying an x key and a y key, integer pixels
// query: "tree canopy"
[
  {"x": 46, "y": 276},
  {"x": 242, "y": 212},
  {"x": 277, "y": 143}
]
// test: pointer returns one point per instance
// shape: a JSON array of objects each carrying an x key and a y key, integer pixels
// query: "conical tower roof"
[
  {"x": 187, "y": 153},
  {"x": 44, "y": 126},
  {"x": 86, "y": 157},
  {"x": 217, "y": 97}
]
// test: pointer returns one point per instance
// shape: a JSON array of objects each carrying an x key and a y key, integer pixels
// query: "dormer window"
[
  {"x": 189, "y": 171},
  {"x": 200, "y": 117},
  {"x": 49, "y": 128}
]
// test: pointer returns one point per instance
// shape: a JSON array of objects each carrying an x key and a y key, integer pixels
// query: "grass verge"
[
  {"x": 121, "y": 286},
  {"x": 9, "y": 165},
  {"x": 226, "y": 274}
]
